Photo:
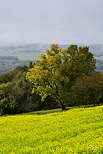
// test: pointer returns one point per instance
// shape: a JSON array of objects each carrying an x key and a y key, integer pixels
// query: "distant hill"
[
  {"x": 96, "y": 49},
  {"x": 26, "y": 53}
]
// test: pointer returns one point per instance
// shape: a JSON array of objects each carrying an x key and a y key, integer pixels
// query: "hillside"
[{"x": 72, "y": 131}]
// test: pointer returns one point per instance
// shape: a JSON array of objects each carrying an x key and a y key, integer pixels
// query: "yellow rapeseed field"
[{"x": 76, "y": 131}]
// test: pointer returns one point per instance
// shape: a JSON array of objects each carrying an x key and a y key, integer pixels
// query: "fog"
[{"x": 56, "y": 21}]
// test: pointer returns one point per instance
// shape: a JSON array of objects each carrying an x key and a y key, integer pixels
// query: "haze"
[{"x": 55, "y": 21}]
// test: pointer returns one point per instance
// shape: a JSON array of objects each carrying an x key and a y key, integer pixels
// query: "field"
[
  {"x": 23, "y": 56},
  {"x": 77, "y": 131}
]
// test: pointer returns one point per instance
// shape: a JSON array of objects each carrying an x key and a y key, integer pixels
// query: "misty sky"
[{"x": 51, "y": 21}]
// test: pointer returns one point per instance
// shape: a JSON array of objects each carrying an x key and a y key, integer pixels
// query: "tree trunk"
[
  {"x": 63, "y": 106},
  {"x": 94, "y": 104}
]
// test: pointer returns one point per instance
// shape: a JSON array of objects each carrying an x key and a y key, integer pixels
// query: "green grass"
[
  {"x": 41, "y": 112},
  {"x": 77, "y": 131}
]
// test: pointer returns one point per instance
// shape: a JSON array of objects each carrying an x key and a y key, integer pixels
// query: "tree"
[
  {"x": 20, "y": 97},
  {"x": 88, "y": 89},
  {"x": 56, "y": 72},
  {"x": 4, "y": 89}
]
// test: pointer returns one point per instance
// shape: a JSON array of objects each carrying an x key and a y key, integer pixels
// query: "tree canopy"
[
  {"x": 88, "y": 89},
  {"x": 56, "y": 72}
]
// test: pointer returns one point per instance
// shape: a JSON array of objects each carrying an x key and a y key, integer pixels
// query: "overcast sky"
[{"x": 51, "y": 21}]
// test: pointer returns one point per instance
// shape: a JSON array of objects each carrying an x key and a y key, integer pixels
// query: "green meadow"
[{"x": 77, "y": 131}]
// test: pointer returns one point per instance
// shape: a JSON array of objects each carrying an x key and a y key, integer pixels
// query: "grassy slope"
[{"x": 72, "y": 131}]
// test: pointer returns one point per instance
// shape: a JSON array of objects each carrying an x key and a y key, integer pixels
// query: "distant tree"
[
  {"x": 88, "y": 89},
  {"x": 15, "y": 92},
  {"x": 4, "y": 88},
  {"x": 31, "y": 64},
  {"x": 21, "y": 69},
  {"x": 6, "y": 77},
  {"x": 57, "y": 71},
  {"x": 4, "y": 101},
  {"x": 10, "y": 75},
  {"x": 20, "y": 96}
]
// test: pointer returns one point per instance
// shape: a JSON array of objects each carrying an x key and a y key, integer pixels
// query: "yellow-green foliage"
[
  {"x": 73, "y": 131},
  {"x": 57, "y": 71}
]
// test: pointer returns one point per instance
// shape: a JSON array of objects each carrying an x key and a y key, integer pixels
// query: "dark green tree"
[{"x": 88, "y": 89}]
